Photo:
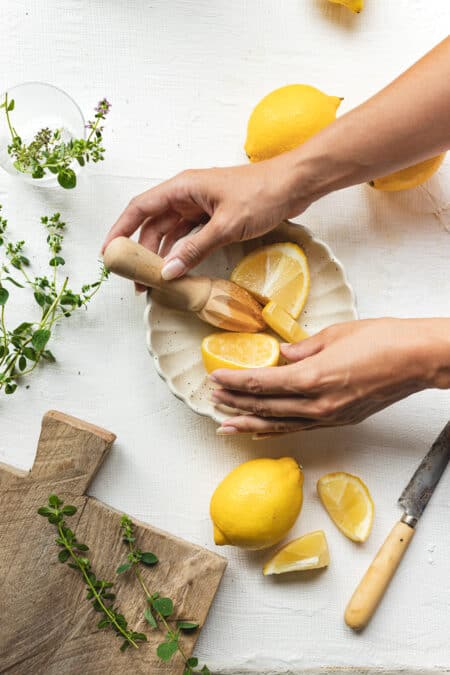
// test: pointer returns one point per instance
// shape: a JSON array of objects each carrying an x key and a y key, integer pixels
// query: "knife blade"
[
  {"x": 413, "y": 500},
  {"x": 417, "y": 493}
]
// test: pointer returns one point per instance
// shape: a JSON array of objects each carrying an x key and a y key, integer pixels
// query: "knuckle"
[
  {"x": 311, "y": 378},
  {"x": 191, "y": 251},
  {"x": 254, "y": 385},
  {"x": 259, "y": 407},
  {"x": 325, "y": 408}
]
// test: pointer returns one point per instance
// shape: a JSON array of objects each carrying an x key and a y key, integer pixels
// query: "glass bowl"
[{"x": 39, "y": 105}]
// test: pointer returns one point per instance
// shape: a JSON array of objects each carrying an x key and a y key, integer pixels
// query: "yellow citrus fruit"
[
  {"x": 355, "y": 5},
  {"x": 309, "y": 552},
  {"x": 283, "y": 323},
  {"x": 286, "y": 118},
  {"x": 348, "y": 502},
  {"x": 239, "y": 350},
  {"x": 277, "y": 272},
  {"x": 410, "y": 177},
  {"x": 256, "y": 505}
]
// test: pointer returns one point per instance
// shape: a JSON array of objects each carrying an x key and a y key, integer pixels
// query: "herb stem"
[
  {"x": 8, "y": 119},
  {"x": 92, "y": 588}
]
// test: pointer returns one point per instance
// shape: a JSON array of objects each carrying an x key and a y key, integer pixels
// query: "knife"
[{"x": 413, "y": 500}]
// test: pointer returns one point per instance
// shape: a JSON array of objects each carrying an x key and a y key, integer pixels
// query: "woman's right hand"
[{"x": 233, "y": 204}]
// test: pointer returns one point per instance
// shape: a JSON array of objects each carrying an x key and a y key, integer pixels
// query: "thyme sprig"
[
  {"x": 25, "y": 345},
  {"x": 98, "y": 590},
  {"x": 49, "y": 151},
  {"x": 158, "y": 609}
]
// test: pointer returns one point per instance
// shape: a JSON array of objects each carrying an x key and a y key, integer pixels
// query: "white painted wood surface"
[{"x": 183, "y": 77}]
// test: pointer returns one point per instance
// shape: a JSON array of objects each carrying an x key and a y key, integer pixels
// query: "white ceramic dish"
[{"x": 174, "y": 337}]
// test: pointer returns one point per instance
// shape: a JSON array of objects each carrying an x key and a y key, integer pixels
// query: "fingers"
[
  {"x": 150, "y": 203},
  {"x": 266, "y": 406},
  {"x": 298, "y": 351},
  {"x": 284, "y": 380},
  {"x": 248, "y": 424},
  {"x": 193, "y": 250}
]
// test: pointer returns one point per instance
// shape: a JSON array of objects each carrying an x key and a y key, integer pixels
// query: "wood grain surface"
[{"x": 50, "y": 627}]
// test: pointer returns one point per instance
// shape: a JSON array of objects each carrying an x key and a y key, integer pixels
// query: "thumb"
[
  {"x": 298, "y": 351},
  {"x": 190, "y": 251}
]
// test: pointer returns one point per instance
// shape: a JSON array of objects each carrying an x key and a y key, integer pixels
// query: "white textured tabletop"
[{"x": 182, "y": 77}]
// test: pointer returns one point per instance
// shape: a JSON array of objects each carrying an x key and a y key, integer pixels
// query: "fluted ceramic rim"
[{"x": 148, "y": 311}]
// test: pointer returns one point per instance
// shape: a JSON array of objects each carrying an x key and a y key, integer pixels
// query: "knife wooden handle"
[
  {"x": 131, "y": 260},
  {"x": 374, "y": 583}
]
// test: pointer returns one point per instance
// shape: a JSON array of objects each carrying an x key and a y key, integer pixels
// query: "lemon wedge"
[
  {"x": 239, "y": 350},
  {"x": 348, "y": 502},
  {"x": 277, "y": 272},
  {"x": 283, "y": 323},
  {"x": 309, "y": 552}
]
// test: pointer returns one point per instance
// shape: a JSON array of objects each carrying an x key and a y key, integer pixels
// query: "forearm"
[
  {"x": 435, "y": 353},
  {"x": 406, "y": 122}
]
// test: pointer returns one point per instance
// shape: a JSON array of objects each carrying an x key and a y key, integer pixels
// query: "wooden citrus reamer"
[{"x": 216, "y": 301}]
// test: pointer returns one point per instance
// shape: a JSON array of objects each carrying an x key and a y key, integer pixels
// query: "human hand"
[
  {"x": 339, "y": 376},
  {"x": 233, "y": 204}
]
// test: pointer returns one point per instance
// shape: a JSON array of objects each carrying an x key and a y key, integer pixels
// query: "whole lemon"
[
  {"x": 256, "y": 505},
  {"x": 410, "y": 177},
  {"x": 286, "y": 118},
  {"x": 355, "y": 5}
]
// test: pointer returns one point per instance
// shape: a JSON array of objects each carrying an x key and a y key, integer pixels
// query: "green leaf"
[
  {"x": 81, "y": 547},
  {"x": 67, "y": 179},
  {"x": 187, "y": 625},
  {"x": 11, "y": 105},
  {"x": 38, "y": 172},
  {"x": 69, "y": 510},
  {"x": 13, "y": 281},
  {"x": 40, "y": 339},
  {"x": 123, "y": 568},
  {"x": 63, "y": 555},
  {"x": 29, "y": 353},
  {"x": 48, "y": 356},
  {"x": 149, "y": 558},
  {"x": 55, "y": 501},
  {"x": 22, "y": 363},
  {"x": 205, "y": 670},
  {"x": 44, "y": 511},
  {"x": 192, "y": 662},
  {"x": 140, "y": 637},
  {"x": 40, "y": 298},
  {"x": 164, "y": 606},
  {"x": 10, "y": 388},
  {"x": 150, "y": 618},
  {"x": 56, "y": 260},
  {"x": 22, "y": 327},
  {"x": 109, "y": 596},
  {"x": 125, "y": 644},
  {"x": 4, "y": 295},
  {"x": 103, "y": 623},
  {"x": 166, "y": 650}
]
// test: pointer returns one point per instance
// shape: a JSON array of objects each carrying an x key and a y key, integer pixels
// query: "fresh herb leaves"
[
  {"x": 98, "y": 590},
  {"x": 158, "y": 609},
  {"x": 24, "y": 346},
  {"x": 49, "y": 152}
]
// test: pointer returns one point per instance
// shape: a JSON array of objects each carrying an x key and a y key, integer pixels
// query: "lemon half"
[{"x": 239, "y": 350}]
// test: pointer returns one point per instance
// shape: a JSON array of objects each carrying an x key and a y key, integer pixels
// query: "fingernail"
[
  {"x": 221, "y": 431},
  {"x": 173, "y": 269},
  {"x": 213, "y": 378},
  {"x": 285, "y": 345}
]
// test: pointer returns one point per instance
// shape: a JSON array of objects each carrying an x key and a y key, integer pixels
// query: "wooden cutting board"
[{"x": 48, "y": 627}]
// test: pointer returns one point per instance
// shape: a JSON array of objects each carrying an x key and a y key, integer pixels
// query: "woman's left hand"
[{"x": 339, "y": 376}]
